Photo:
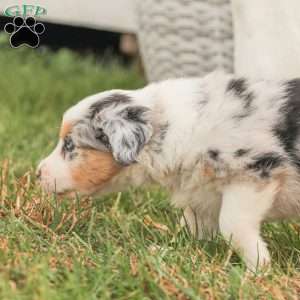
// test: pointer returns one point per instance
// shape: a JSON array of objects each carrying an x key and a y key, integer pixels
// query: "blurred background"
[
  {"x": 91, "y": 26},
  {"x": 174, "y": 38},
  {"x": 91, "y": 46}
]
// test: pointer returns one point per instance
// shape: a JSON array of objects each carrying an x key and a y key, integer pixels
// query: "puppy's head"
[{"x": 98, "y": 137}]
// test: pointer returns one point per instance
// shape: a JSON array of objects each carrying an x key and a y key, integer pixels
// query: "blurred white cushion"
[
  {"x": 267, "y": 38},
  {"x": 114, "y": 15}
]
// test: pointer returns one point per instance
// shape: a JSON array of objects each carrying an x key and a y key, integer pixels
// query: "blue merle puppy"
[{"x": 227, "y": 149}]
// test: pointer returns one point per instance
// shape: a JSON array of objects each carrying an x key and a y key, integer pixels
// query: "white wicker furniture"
[{"x": 185, "y": 37}]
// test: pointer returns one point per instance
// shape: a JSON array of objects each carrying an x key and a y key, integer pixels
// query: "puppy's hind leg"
[{"x": 244, "y": 206}]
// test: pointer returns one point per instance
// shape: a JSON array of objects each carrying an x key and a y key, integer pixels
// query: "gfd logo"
[{"x": 25, "y": 10}]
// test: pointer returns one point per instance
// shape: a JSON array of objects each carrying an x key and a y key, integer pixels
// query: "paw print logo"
[{"x": 24, "y": 32}]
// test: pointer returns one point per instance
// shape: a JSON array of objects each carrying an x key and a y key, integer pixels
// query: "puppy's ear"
[{"x": 128, "y": 130}]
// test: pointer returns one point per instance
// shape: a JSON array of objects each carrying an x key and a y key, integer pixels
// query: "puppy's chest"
[
  {"x": 189, "y": 175},
  {"x": 213, "y": 171}
]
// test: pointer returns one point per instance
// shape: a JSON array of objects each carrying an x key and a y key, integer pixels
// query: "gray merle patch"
[
  {"x": 157, "y": 142},
  {"x": 288, "y": 129},
  {"x": 213, "y": 154},
  {"x": 241, "y": 152},
  {"x": 112, "y": 100},
  {"x": 239, "y": 87},
  {"x": 265, "y": 163},
  {"x": 135, "y": 113}
]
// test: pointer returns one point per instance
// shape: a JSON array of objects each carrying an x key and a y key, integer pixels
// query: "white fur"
[
  {"x": 56, "y": 173},
  {"x": 243, "y": 209},
  {"x": 201, "y": 115}
]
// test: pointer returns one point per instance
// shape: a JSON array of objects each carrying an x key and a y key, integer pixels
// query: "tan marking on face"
[
  {"x": 94, "y": 169},
  {"x": 65, "y": 129}
]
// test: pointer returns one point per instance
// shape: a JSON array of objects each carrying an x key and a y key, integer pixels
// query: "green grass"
[{"x": 122, "y": 246}]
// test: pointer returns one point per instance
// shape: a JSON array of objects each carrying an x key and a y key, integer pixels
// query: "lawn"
[{"x": 122, "y": 246}]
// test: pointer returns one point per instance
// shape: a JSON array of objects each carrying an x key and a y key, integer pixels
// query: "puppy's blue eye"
[{"x": 69, "y": 145}]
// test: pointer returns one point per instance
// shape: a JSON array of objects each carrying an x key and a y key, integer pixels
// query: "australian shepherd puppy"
[{"x": 227, "y": 149}]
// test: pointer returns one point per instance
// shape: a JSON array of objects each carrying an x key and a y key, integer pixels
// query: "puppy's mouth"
[
  {"x": 72, "y": 194},
  {"x": 64, "y": 194},
  {"x": 50, "y": 189},
  {"x": 67, "y": 194}
]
